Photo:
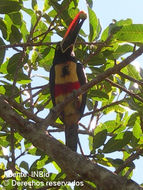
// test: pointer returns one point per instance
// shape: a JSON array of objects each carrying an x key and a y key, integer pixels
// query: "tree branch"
[
  {"x": 129, "y": 160},
  {"x": 80, "y": 166},
  {"x": 21, "y": 109},
  {"x": 125, "y": 90},
  {"x": 32, "y": 44},
  {"x": 104, "y": 107},
  {"x": 131, "y": 78},
  {"x": 27, "y": 44}
]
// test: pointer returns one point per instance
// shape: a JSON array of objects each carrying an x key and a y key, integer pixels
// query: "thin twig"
[
  {"x": 92, "y": 115},
  {"x": 50, "y": 28},
  {"x": 99, "y": 48},
  {"x": 36, "y": 93},
  {"x": 22, "y": 154},
  {"x": 128, "y": 161},
  {"x": 27, "y": 44},
  {"x": 32, "y": 44},
  {"x": 104, "y": 107},
  {"x": 34, "y": 27},
  {"x": 42, "y": 106},
  {"x": 80, "y": 147},
  {"x": 125, "y": 90},
  {"x": 20, "y": 108},
  {"x": 130, "y": 78}
]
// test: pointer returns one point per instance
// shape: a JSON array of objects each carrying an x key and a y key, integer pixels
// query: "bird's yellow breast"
[
  {"x": 70, "y": 77},
  {"x": 66, "y": 80}
]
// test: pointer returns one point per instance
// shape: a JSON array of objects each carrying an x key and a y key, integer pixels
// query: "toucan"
[{"x": 66, "y": 76}]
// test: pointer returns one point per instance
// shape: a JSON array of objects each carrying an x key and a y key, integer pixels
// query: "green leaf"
[
  {"x": 42, "y": 27},
  {"x": 42, "y": 162},
  {"x": 28, "y": 11},
  {"x": 3, "y": 28},
  {"x": 15, "y": 35},
  {"x": 116, "y": 162},
  {"x": 105, "y": 34},
  {"x": 121, "y": 50},
  {"x": 3, "y": 68},
  {"x": 116, "y": 108},
  {"x": 47, "y": 60},
  {"x": 9, "y": 89},
  {"x": 33, "y": 19},
  {"x": 52, "y": 13},
  {"x": 13, "y": 62},
  {"x": 4, "y": 142},
  {"x": 24, "y": 31},
  {"x": 22, "y": 78},
  {"x": 90, "y": 140},
  {"x": 110, "y": 125},
  {"x": 2, "y": 51},
  {"x": 117, "y": 142},
  {"x": 99, "y": 139},
  {"x": 24, "y": 165},
  {"x": 126, "y": 22},
  {"x": 46, "y": 6},
  {"x": 137, "y": 131},
  {"x": 130, "y": 33},
  {"x": 18, "y": 137},
  {"x": 56, "y": 166},
  {"x": 113, "y": 28},
  {"x": 90, "y": 3},
  {"x": 99, "y": 95},
  {"x": 89, "y": 104},
  {"x": 34, "y": 4},
  {"x": 32, "y": 150},
  {"x": 94, "y": 24},
  {"x": 16, "y": 18},
  {"x": 133, "y": 72},
  {"x": 132, "y": 120},
  {"x": 2, "y": 90},
  {"x": 61, "y": 11},
  {"x": 99, "y": 59},
  {"x": 7, "y": 6},
  {"x": 8, "y": 23}
]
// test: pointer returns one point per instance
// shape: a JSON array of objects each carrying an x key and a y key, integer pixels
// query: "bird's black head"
[
  {"x": 62, "y": 57},
  {"x": 64, "y": 49}
]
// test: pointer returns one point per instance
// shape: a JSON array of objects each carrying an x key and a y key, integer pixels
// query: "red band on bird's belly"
[{"x": 66, "y": 88}]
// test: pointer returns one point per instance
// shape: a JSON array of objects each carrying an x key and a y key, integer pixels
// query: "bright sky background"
[{"x": 106, "y": 10}]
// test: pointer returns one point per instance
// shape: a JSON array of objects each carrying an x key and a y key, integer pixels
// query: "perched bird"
[{"x": 67, "y": 75}]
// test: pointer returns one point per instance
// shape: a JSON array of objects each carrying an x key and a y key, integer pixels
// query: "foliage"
[{"x": 32, "y": 29}]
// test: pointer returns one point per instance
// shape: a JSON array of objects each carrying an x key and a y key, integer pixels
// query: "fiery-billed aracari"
[{"x": 66, "y": 75}]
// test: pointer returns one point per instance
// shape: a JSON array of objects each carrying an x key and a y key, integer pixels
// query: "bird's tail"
[{"x": 71, "y": 135}]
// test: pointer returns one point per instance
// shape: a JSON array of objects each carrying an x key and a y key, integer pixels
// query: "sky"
[
  {"x": 121, "y": 9},
  {"x": 106, "y": 11}
]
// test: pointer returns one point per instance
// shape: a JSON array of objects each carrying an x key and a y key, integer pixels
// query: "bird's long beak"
[{"x": 73, "y": 31}]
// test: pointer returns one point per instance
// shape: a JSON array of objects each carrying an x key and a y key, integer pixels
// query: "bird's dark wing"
[
  {"x": 82, "y": 80},
  {"x": 52, "y": 84}
]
